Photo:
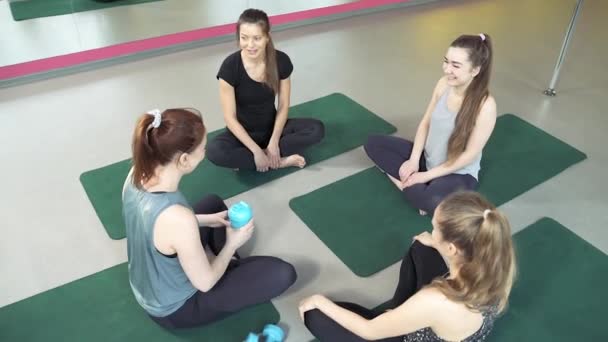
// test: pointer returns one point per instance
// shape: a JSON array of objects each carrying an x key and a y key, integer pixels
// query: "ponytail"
[
  {"x": 483, "y": 235},
  {"x": 176, "y": 131},
  {"x": 271, "y": 77},
  {"x": 479, "y": 48}
]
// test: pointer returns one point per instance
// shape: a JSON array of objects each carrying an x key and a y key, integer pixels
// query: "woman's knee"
[
  {"x": 317, "y": 128},
  {"x": 415, "y": 195},
  {"x": 215, "y": 153},
  {"x": 418, "y": 250},
  {"x": 210, "y": 204},
  {"x": 373, "y": 147},
  {"x": 314, "y": 319},
  {"x": 372, "y": 143},
  {"x": 283, "y": 273},
  {"x": 442, "y": 187},
  {"x": 274, "y": 272}
]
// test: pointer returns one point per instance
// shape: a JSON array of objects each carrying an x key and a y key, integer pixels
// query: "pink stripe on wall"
[{"x": 138, "y": 46}]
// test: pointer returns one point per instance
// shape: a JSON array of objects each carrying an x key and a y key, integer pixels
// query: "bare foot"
[
  {"x": 422, "y": 212},
  {"x": 395, "y": 181},
  {"x": 293, "y": 160}
]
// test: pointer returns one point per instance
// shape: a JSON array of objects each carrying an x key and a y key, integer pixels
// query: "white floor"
[{"x": 54, "y": 130}]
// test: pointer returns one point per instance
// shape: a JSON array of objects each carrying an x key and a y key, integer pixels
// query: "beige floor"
[{"x": 54, "y": 130}]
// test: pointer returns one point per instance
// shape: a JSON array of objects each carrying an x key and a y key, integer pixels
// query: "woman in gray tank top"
[
  {"x": 445, "y": 155},
  {"x": 170, "y": 274}
]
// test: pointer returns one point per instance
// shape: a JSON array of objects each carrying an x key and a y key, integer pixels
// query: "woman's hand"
[
  {"x": 417, "y": 178},
  {"x": 425, "y": 238},
  {"x": 274, "y": 154},
  {"x": 310, "y": 303},
  {"x": 235, "y": 238},
  {"x": 408, "y": 168},
  {"x": 261, "y": 161}
]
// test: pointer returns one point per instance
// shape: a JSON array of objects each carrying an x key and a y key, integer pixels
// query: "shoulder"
[
  {"x": 283, "y": 60},
  {"x": 230, "y": 69},
  {"x": 231, "y": 62},
  {"x": 426, "y": 305},
  {"x": 487, "y": 112},
  {"x": 489, "y": 104},
  {"x": 440, "y": 87},
  {"x": 175, "y": 216},
  {"x": 233, "y": 57},
  {"x": 433, "y": 303},
  {"x": 282, "y": 56},
  {"x": 284, "y": 64},
  {"x": 432, "y": 295},
  {"x": 428, "y": 297}
]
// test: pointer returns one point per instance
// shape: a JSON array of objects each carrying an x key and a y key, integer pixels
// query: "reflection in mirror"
[{"x": 91, "y": 24}]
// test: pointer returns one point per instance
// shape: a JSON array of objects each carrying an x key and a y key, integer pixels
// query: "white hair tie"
[
  {"x": 483, "y": 37},
  {"x": 157, "y": 118},
  {"x": 485, "y": 213}
]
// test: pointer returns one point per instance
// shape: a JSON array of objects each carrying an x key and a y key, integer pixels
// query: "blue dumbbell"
[
  {"x": 239, "y": 214},
  {"x": 271, "y": 333}
]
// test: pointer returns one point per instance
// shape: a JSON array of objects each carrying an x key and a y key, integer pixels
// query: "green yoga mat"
[
  {"x": 101, "y": 307},
  {"x": 366, "y": 222},
  {"x": 560, "y": 293},
  {"x": 30, "y": 9},
  {"x": 347, "y": 125}
]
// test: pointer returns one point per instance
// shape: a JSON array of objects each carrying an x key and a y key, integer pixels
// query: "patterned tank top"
[{"x": 428, "y": 335}]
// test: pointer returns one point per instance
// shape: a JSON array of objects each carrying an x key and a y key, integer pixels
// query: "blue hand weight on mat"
[
  {"x": 271, "y": 333},
  {"x": 239, "y": 214}
]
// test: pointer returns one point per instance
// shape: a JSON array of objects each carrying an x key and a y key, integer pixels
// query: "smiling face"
[
  {"x": 458, "y": 68},
  {"x": 252, "y": 40}
]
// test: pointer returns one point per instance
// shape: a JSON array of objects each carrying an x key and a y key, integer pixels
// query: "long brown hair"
[
  {"x": 181, "y": 130},
  {"x": 479, "y": 48},
  {"x": 260, "y": 18},
  {"x": 487, "y": 262}
]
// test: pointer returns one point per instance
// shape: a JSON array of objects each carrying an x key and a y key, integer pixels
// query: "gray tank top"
[
  {"x": 159, "y": 283},
  {"x": 441, "y": 128}
]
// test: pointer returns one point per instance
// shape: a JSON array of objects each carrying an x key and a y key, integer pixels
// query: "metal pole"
[{"x": 551, "y": 90}]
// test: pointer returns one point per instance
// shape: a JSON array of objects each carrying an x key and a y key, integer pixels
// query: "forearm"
[
  {"x": 240, "y": 133},
  {"x": 346, "y": 318},
  {"x": 420, "y": 140},
  {"x": 220, "y": 263},
  {"x": 279, "y": 124},
  {"x": 206, "y": 220},
  {"x": 202, "y": 219},
  {"x": 447, "y": 168}
]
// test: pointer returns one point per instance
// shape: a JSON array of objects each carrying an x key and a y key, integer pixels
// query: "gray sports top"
[
  {"x": 441, "y": 128},
  {"x": 159, "y": 283}
]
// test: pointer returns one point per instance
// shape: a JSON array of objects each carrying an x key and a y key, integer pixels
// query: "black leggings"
[
  {"x": 389, "y": 153},
  {"x": 246, "y": 282},
  {"x": 419, "y": 267},
  {"x": 226, "y": 150}
]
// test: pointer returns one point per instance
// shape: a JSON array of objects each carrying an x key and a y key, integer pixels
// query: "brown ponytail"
[
  {"x": 180, "y": 131},
  {"x": 259, "y": 17},
  {"x": 479, "y": 48},
  {"x": 483, "y": 235}
]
